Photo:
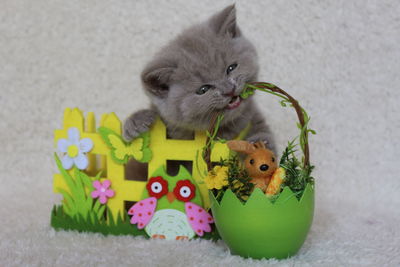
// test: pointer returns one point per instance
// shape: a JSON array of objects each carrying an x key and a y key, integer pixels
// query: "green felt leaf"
[
  {"x": 67, "y": 178},
  {"x": 87, "y": 181},
  {"x": 100, "y": 212},
  {"x": 69, "y": 205},
  {"x": 96, "y": 206},
  {"x": 80, "y": 201}
]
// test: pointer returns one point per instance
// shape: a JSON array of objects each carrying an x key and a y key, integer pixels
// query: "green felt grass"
[{"x": 62, "y": 221}]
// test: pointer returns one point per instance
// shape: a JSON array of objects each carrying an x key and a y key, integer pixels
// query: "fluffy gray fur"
[{"x": 200, "y": 56}]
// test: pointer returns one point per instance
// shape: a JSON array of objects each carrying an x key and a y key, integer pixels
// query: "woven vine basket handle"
[
  {"x": 299, "y": 112},
  {"x": 275, "y": 89}
]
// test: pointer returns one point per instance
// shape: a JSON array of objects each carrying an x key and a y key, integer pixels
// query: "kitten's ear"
[
  {"x": 156, "y": 77},
  {"x": 224, "y": 22}
]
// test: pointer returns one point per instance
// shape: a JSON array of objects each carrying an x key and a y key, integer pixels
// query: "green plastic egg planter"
[{"x": 261, "y": 229}]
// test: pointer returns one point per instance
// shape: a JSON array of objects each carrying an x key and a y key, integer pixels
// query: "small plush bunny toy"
[{"x": 260, "y": 162}]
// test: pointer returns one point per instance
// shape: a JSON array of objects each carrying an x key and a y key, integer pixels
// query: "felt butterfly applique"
[{"x": 122, "y": 151}]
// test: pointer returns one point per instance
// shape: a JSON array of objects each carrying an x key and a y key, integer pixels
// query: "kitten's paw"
[{"x": 138, "y": 123}]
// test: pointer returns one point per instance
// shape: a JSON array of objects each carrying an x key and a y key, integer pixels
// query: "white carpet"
[{"x": 340, "y": 59}]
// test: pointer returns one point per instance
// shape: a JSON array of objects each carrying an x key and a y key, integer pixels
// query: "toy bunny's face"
[{"x": 260, "y": 163}]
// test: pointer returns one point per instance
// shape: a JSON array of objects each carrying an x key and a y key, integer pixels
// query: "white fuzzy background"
[{"x": 340, "y": 59}]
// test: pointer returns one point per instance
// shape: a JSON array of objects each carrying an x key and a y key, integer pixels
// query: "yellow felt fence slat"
[{"x": 91, "y": 128}]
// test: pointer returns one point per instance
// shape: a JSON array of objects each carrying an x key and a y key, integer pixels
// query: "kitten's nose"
[{"x": 232, "y": 91}]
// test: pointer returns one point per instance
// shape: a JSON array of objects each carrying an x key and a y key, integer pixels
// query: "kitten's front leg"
[
  {"x": 137, "y": 123},
  {"x": 260, "y": 131}
]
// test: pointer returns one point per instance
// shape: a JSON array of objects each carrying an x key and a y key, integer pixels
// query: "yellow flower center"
[{"x": 72, "y": 151}]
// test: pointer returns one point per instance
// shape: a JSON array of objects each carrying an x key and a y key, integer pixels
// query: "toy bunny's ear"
[{"x": 241, "y": 146}]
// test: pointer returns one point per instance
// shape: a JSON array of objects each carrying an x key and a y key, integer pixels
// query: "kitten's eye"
[
  {"x": 231, "y": 68},
  {"x": 273, "y": 159},
  {"x": 203, "y": 89},
  {"x": 252, "y": 161}
]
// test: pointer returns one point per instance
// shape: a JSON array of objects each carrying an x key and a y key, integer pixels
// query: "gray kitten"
[{"x": 201, "y": 71}]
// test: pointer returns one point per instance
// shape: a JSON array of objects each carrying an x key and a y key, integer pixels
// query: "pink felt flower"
[{"x": 103, "y": 191}]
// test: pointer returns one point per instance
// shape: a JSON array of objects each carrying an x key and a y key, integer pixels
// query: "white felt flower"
[{"x": 74, "y": 149}]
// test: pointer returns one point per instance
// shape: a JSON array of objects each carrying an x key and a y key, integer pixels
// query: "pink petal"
[
  {"x": 85, "y": 144},
  {"x": 103, "y": 199},
  {"x": 73, "y": 135},
  {"x": 81, "y": 161},
  {"x": 97, "y": 185},
  {"x": 109, "y": 193},
  {"x": 67, "y": 162},
  {"x": 62, "y": 145},
  {"x": 106, "y": 184},
  {"x": 95, "y": 194}
]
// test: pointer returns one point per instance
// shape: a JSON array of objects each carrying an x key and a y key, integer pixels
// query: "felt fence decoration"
[
  {"x": 98, "y": 177},
  {"x": 261, "y": 209}
]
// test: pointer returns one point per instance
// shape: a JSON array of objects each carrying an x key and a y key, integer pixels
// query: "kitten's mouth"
[{"x": 234, "y": 103}]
